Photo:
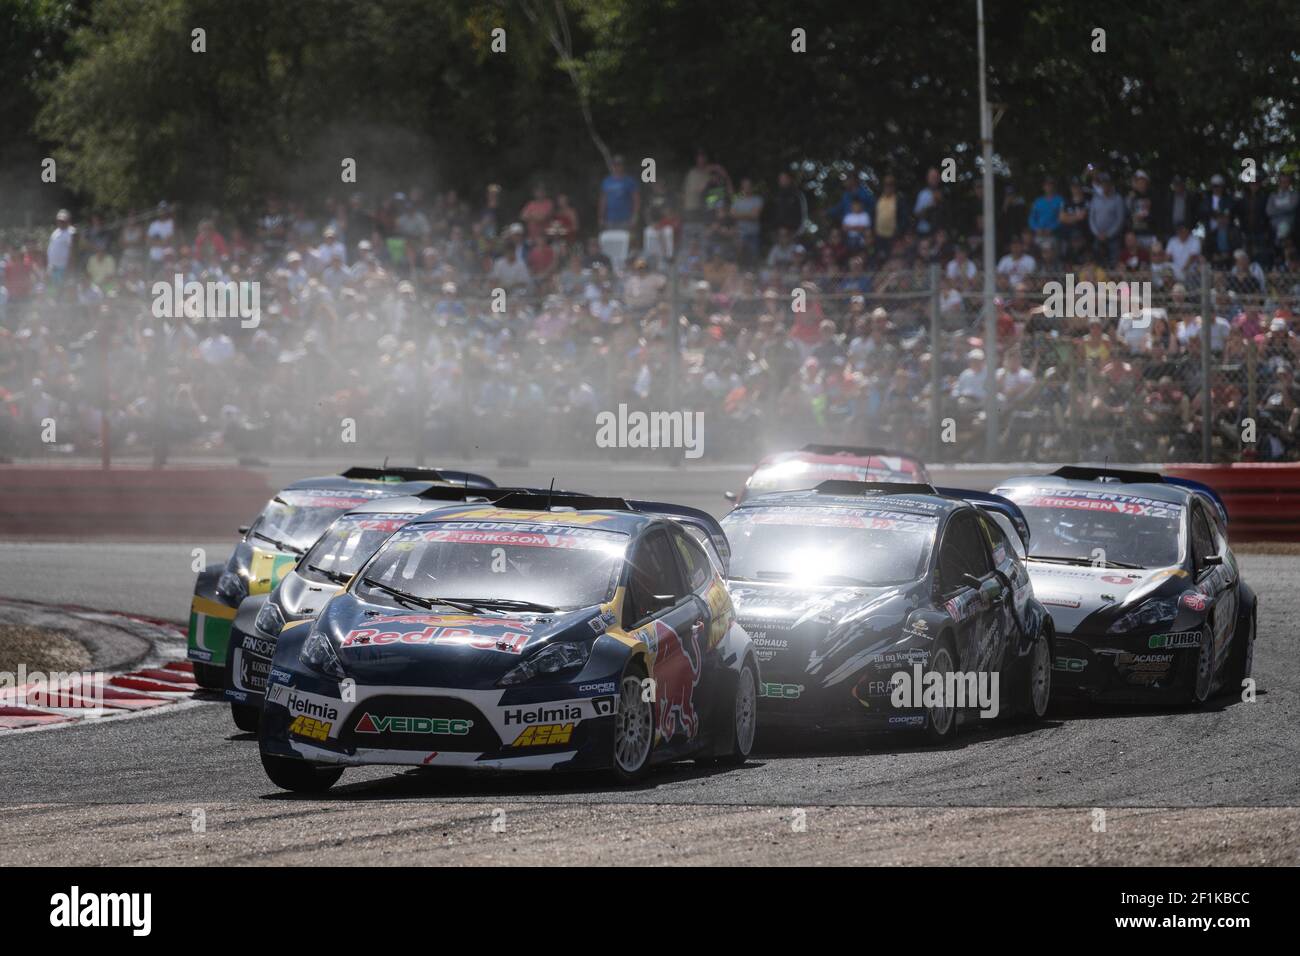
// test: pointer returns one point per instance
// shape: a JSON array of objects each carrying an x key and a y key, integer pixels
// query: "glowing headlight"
[
  {"x": 232, "y": 587},
  {"x": 269, "y": 619},
  {"x": 1150, "y": 614},
  {"x": 549, "y": 660},
  {"x": 318, "y": 653}
]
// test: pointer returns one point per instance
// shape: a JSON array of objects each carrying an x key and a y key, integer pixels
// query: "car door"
[
  {"x": 972, "y": 594},
  {"x": 661, "y": 611},
  {"x": 1215, "y": 577}
]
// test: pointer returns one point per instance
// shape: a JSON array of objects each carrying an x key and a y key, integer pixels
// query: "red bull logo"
[{"x": 675, "y": 670}]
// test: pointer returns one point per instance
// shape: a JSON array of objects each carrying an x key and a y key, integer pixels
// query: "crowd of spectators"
[{"x": 502, "y": 323}]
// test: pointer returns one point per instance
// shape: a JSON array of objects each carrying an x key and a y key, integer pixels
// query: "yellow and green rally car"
[{"x": 279, "y": 536}]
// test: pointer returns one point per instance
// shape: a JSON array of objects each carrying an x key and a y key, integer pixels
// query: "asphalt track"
[{"x": 1221, "y": 785}]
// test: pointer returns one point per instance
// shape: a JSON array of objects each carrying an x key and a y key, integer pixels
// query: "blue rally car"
[
  {"x": 277, "y": 538},
  {"x": 1148, "y": 599},
  {"x": 532, "y": 634},
  {"x": 855, "y": 592}
]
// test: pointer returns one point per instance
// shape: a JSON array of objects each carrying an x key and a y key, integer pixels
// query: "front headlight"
[
  {"x": 549, "y": 660},
  {"x": 269, "y": 619},
  {"x": 1150, "y": 614},
  {"x": 232, "y": 587},
  {"x": 318, "y": 653}
]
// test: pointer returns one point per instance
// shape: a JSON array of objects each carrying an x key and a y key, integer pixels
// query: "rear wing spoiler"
[
  {"x": 403, "y": 473},
  {"x": 471, "y": 493},
  {"x": 701, "y": 521},
  {"x": 1123, "y": 476},
  {"x": 848, "y": 489},
  {"x": 991, "y": 502}
]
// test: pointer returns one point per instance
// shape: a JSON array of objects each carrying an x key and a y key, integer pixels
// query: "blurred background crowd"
[{"x": 501, "y": 323}]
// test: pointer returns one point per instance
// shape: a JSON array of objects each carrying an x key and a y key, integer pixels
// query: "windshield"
[
  {"x": 796, "y": 474},
  {"x": 1101, "y": 528},
  {"x": 845, "y": 547},
  {"x": 546, "y": 565},
  {"x": 297, "y": 518},
  {"x": 348, "y": 544}
]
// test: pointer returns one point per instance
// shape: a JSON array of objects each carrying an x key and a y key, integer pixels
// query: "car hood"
[
  {"x": 1073, "y": 594},
  {"x": 805, "y": 632},
  {"x": 300, "y": 598},
  {"x": 379, "y": 644}
]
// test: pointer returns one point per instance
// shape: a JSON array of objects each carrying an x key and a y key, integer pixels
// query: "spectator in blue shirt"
[
  {"x": 1045, "y": 214},
  {"x": 620, "y": 198}
]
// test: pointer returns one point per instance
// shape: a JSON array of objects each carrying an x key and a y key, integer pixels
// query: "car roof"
[
  {"x": 375, "y": 487},
  {"x": 909, "y": 497},
  {"x": 1169, "y": 494},
  {"x": 840, "y": 454},
  {"x": 622, "y": 522}
]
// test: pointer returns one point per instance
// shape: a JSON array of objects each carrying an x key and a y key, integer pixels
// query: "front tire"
[
  {"x": 1034, "y": 696},
  {"x": 299, "y": 776},
  {"x": 744, "y": 724},
  {"x": 247, "y": 718},
  {"x": 634, "y": 728},
  {"x": 209, "y": 676},
  {"x": 941, "y": 719}
]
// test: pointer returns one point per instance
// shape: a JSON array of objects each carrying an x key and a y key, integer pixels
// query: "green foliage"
[{"x": 412, "y": 91}]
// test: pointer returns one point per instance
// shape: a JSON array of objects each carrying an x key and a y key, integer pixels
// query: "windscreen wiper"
[
  {"x": 511, "y": 602},
  {"x": 338, "y": 577},
  {"x": 1084, "y": 562},
  {"x": 282, "y": 545},
  {"x": 404, "y": 597}
]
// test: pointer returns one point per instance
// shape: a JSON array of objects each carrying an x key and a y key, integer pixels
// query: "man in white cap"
[{"x": 59, "y": 251}]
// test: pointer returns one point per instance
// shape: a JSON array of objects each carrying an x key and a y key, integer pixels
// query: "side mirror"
[
  {"x": 1210, "y": 560},
  {"x": 245, "y": 528},
  {"x": 729, "y": 495},
  {"x": 660, "y": 602},
  {"x": 973, "y": 581}
]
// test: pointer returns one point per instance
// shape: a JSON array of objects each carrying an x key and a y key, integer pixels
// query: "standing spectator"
[
  {"x": 1221, "y": 239},
  {"x": 1045, "y": 215},
  {"x": 1074, "y": 216},
  {"x": 891, "y": 215},
  {"x": 58, "y": 253},
  {"x": 620, "y": 198},
  {"x": 1252, "y": 214},
  {"x": 928, "y": 210},
  {"x": 162, "y": 235},
  {"x": 856, "y": 224},
  {"x": 1281, "y": 210},
  {"x": 1215, "y": 201},
  {"x": 537, "y": 213},
  {"x": 1140, "y": 207},
  {"x": 747, "y": 212},
  {"x": 788, "y": 208},
  {"x": 1106, "y": 213},
  {"x": 101, "y": 268},
  {"x": 1179, "y": 208}
]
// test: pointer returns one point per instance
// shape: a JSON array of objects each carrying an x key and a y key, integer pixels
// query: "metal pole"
[
  {"x": 159, "y": 391},
  {"x": 1207, "y": 320},
  {"x": 934, "y": 362},
  {"x": 674, "y": 329},
  {"x": 990, "y": 318}
]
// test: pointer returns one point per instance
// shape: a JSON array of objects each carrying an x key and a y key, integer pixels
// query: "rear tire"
[
  {"x": 941, "y": 721},
  {"x": 634, "y": 728},
  {"x": 744, "y": 724},
  {"x": 299, "y": 776},
  {"x": 1034, "y": 696},
  {"x": 209, "y": 676},
  {"x": 247, "y": 717},
  {"x": 1202, "y": 670},
  {"x": 1241, "y": 659}
]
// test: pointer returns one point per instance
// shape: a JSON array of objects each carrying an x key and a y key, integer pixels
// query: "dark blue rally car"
[
  {"x": 888, "y": 605},
  {"x": 1147, "y": 596},
  {"x": 533, "y": 633}
]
